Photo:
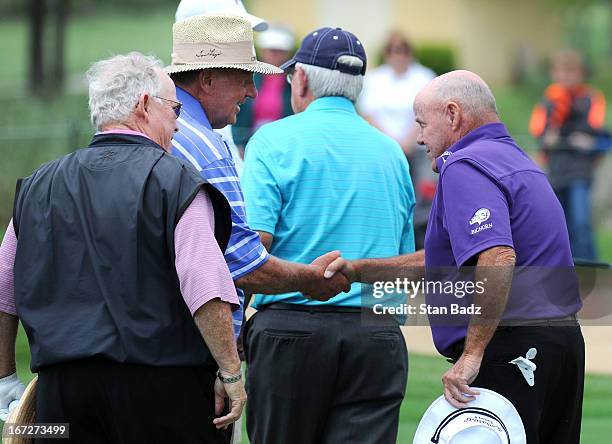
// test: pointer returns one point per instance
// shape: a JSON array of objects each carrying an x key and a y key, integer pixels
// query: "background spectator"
[
  {"x": 386, "y": 102},
  {"x": 568, "y": 123},
  {"x": 390, "y": 89}
]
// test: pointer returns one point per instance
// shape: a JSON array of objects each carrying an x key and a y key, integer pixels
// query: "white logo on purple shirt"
[
  {"x": 481, "y": 228},
  {"x": 480, "y": 216}
]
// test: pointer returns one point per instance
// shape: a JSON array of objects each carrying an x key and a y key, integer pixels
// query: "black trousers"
[
  {"x": 109, "y": 402},
  {"x": 323, "y": 377},
  {"x": 551, "y": 410}
]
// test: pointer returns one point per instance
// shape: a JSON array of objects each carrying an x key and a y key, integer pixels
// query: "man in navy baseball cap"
[
  {"x": 325, "y": 47},
  {"x": 316, "y": 372}
]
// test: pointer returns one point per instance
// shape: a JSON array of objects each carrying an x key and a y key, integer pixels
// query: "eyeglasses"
[{"x": 176, "y": 107}]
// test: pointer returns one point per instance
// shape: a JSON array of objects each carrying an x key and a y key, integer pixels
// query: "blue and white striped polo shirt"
[{"x": 209, "y": 154}]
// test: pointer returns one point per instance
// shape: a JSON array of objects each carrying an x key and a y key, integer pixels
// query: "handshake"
[
  {"x": 330, "y": 274},
  {"x": 333, "y": 274}
]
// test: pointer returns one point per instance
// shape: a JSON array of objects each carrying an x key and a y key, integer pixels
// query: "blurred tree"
[
  {"x": 61, "y": 19},
  {"x": 13, "y": 8},
  {"x": 45, "y": 79},
  {"x": 37, "y": 30},
  {"x": 588, "y": 25},
  {"x": 438, "y": 57}
]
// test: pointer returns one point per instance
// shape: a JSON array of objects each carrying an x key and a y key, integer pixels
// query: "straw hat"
[
  {"x": 215, "y": 41},
  {"x": 24, "y": 413},
  {"x": 489, "y": 419}
]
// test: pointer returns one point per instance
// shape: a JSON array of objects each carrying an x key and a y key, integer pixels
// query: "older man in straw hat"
[
  {"x": 213, "y": 62},
  {"x": 119, "y": 279},
  {"x": 189, "y": 8}
]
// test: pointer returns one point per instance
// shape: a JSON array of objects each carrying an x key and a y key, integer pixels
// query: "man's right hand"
[
  {"x": 11, "y": 389},
  {"x": 237, "y": 398},
  {"x": 341, "y": 265},
  {"x": 321, "y": 288}
]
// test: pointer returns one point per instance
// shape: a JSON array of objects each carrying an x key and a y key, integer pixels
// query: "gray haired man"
[
  {"x": 320, "y": 180},
  {"x": 119, "y": 279}
]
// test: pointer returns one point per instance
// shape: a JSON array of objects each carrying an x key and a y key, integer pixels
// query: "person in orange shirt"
[{"x": 568, "y": 123}]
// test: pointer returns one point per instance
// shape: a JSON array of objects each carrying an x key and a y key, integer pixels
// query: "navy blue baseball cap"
[{"x": 324, "y": 46}]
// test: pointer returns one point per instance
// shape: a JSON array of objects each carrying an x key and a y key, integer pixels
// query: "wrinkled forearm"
[
  {"x": 277, "y": 276},
  {"x": 8, "y": 335},
  {"x": 214, "y": 320},
  {"x": 411, "y": 266},
  {"x": 494, "y": 269}
]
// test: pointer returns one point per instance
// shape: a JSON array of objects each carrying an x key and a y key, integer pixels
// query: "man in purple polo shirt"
[{"x": 494, "y": 209}]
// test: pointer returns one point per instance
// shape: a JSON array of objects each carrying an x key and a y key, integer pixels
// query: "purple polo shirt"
[{"x": 491, "y": 194}]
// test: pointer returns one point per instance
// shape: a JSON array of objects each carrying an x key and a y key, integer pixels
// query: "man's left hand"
[
  {"x": 237, "y": 398},
  {"x": 11, "y": 390},
  {"x": 456, "y": 381}
]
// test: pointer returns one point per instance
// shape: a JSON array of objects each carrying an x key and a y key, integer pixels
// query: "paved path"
[
  {"x": 598, "y": 342},
  {"x": 597, "y": 330}
]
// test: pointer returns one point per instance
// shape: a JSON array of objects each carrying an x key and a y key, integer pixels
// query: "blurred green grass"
[
  {"x": 604, "y": 245},
  {"x": 424, "y": 385}
]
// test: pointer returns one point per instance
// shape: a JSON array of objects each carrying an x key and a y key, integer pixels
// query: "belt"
[
  {"x": 456, "y": 350},
  {"x": 311, "y": 308},
  {"x": 566, "y": 321}
]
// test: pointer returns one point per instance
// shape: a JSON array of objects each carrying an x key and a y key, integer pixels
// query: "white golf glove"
[{"x": 11, "y": 390}]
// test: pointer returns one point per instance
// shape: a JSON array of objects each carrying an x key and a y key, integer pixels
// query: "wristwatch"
[{"x": 229, "y": 379}]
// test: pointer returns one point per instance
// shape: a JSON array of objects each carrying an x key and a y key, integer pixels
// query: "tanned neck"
[{"x": 477, "y": 123}]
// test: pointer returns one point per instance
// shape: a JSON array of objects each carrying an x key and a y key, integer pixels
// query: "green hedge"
[{"x": 440, "y": 58}]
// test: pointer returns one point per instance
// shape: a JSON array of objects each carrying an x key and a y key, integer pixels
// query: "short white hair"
[
  {"x": 116, "y": 84},
  {"x": 475, "y": 97},
  {"x": 323, "y": 82}
]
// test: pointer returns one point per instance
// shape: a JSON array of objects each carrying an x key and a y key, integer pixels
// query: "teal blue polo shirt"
[{"x": 324, "y": 180}]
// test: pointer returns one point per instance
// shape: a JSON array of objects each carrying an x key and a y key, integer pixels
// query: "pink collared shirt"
[
  {"x": 200, "y": 266},
  {"x": 124, "y": 131}
]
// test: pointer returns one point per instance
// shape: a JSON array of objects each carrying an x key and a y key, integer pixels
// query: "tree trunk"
[
  {"x": 61, "y": 18},
  {"x": 36, "y": 71}
]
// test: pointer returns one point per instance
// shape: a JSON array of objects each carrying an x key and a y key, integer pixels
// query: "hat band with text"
[
  {"x": 476, "y": 416},
  {"x": 213, "y": 53}
]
